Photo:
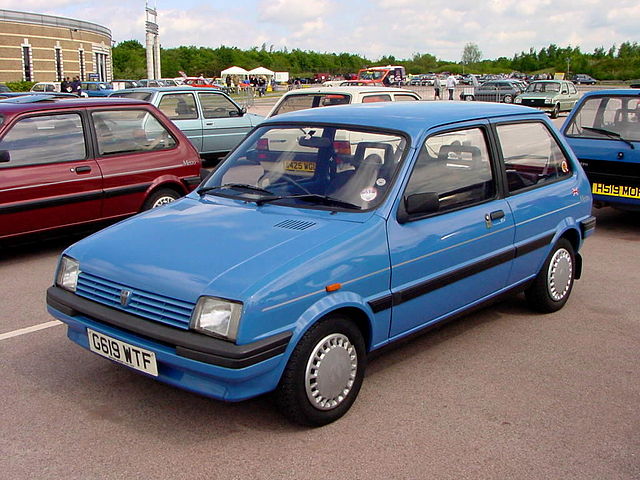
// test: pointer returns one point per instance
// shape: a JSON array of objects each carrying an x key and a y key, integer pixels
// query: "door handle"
[
  {"x": 209, "y": 123},
  {"x": 82, "y": 169},
  {"x": 497, "y": 215}
]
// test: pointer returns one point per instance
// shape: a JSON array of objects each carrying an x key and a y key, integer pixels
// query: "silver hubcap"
[
  {"x": 162, "y": 201},
  {"x": 560, "y": 274},
  {"x": 331, "y": 371}
]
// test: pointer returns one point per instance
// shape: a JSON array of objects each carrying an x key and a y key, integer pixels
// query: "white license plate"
[{"x": 134, "y": 357}]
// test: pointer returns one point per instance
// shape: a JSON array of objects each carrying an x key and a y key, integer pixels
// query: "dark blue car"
[
  {"x": 604, "y": 132},
  {"x": 325, "y": 235}
]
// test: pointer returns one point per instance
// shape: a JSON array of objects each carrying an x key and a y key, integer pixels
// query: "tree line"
[{"x": 616, "y": 63}]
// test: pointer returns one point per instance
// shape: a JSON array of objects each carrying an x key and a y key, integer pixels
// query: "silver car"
[{"x": 210, "y": 119}]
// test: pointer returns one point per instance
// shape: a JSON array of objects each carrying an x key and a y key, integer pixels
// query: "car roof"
[
  {"x": 179, "y": 88},
  {"x": 410, "y": 117},
  {"x": 67, "y": 104},
  {"x": 347, "y": 90},
  {"x": 614, "y": 92}
]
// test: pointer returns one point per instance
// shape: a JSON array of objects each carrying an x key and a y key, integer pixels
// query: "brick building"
[{"x": 42, "y": 48}]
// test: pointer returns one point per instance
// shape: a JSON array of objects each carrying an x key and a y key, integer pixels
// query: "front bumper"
[{"x": 189, "y": 360}]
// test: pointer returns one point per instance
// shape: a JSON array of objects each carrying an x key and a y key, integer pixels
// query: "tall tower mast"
[{"x": 153, "y": 43}]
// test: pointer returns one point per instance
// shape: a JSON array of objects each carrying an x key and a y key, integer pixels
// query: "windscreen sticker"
[
  {"x": 369, "y": 194},
  {"x": 381, "y": 182},
  {"x": 565, "y": 166}
]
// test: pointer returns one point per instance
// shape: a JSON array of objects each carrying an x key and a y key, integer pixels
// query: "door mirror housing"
[
  {"x": 5, "y": 156},
  {"x": 418, "y": 205}
]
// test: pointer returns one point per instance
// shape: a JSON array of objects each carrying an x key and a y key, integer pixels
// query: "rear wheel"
[
  {"x": 551, "y": 288},
  {"x": 159, "y": 198},
  {"x": 324, "y": 374}
]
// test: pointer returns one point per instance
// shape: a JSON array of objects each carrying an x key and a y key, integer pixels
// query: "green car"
[{"x": 552, "y": 96}]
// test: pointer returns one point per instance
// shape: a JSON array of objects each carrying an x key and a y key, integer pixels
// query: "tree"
[{"x": 471, "y": 54}]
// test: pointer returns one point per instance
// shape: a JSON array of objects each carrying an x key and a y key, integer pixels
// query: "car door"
[
  {"x": 457, "y": 250},
  {"x": 224, "y": 124},
  {"x": 541, "y": 186},
  {"x": 133, "y": 149},
  {"x": 50, "y": 179},
  {"x": 182, "y": 110}
]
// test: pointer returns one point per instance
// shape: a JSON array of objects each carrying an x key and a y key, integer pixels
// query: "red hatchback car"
[{"x": 71, "y": 162}]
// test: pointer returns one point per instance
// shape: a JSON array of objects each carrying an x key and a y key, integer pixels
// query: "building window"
[
  {"x": 27, "y": 73},
  {"x": 101, "y": 66},
  {"x": 82, "y": 68},
  {"x": 59, "y": 69}
]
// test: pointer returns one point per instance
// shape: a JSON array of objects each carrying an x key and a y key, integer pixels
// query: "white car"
[
  {"x": 327, "y": 96},
  {"x": 46, "y": 87}
]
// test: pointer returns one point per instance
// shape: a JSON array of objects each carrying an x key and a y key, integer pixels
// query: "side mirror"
[
  {"x": 236, "y": 113},
  {"x": 422, "y": 203},
  {"x": 5, "y": 156}
]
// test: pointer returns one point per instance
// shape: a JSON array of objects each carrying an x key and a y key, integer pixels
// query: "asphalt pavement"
[{"x": 502, "y": 393}]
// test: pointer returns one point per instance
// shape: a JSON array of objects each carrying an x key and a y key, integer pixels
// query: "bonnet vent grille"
[{"x": 294, "y": 224}]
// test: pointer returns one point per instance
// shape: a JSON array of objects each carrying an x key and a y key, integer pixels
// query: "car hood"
[
  {"x": 254, "y": 118},
  {"x": 193, "y": 247},
  {"x": 538, "y": 94}
]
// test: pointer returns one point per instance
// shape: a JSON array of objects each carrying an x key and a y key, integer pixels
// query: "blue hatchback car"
[
  {"x": 604, "y": 132},
  {"x": 327, "y": 234}
]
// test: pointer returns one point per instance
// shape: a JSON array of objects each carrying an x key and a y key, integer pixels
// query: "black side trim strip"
[
  {"x": 115, "y": 192},
  {"x": 50, "y": 202},
  {"x": 187, "y": 343},
  {"x": 382, "y": 303},
  {"x": 587, "y": 225},
  {"x": 192, "y": 181},
  {"x": 532, "y": 245},
  {"x": 444, "y": 280}
]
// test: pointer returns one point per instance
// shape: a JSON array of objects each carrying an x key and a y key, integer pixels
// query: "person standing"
[
  {"x": 436, "y": 88},
  {"x": 75, "y": 86},
  {"x": 451, "y": 85}
]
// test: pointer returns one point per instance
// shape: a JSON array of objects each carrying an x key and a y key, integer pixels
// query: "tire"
[
  {"x": 468, "y": 98},
  {"x": 159, "y": 198},
  {"x": 556, "y": 111},
  {"x": 328, "y": 361},
  {"x": 507, "y": 99},
  {"x": 552, "y": 286}
]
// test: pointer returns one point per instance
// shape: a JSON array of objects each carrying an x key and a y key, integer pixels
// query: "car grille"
[
  {"x": 533, "y": 102},
  {"x": 157, "y": 308}
]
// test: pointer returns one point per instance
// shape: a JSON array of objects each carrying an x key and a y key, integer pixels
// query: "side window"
[
  {"x": 217, "y": 106},
  {"x": 179, "y": 106},
  {"x": 130, "y": 131},
  {"x": 565, "y": 90},
  {"x": 455, "y": 166},
  {"x": 531, "y": 155},
  {"x": 45, "y": 139},
  {"x": 572, "y": 89},
  {"x": 38, "y": 88},
  {"x": 405, "y": 98},
  {"x": 376, "y": 98}
]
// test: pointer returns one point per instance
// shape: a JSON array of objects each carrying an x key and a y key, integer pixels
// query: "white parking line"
[{"x": 35, "y": 328}]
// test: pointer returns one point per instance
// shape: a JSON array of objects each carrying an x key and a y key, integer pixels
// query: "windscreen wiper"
[
  {"x": 610, "y": 134},
  {"x": 236, "y": 186},
  {"x": 312, "y": 198}
]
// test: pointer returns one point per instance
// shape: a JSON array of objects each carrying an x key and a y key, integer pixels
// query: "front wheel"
[
  {"x": 324, "y": 374},
  {"x": 160, "y": 198},
  {"x": 551, "y": 288},
  {"x": 556, "y": 111},
  {"x": 507, "y": 99}
]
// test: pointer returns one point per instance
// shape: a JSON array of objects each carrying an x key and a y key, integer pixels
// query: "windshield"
[
  {"x": 137, "y": 95},
  {"x": 606, "y": 117},
  {"x": 372, "y": 74},
  {"x": 296, "y": 102},
  {"x": 311, "y": 167},
  {"x": 544, "y": 87}
]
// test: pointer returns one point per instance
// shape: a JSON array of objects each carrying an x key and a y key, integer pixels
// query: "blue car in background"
[
  {"x": 327, "y": 234},
  {"x": 95, "y": 89},
  {"x": 604, "y": 132}
]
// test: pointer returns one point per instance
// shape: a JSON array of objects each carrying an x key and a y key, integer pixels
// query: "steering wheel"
[{"x": 293, "y": 182}]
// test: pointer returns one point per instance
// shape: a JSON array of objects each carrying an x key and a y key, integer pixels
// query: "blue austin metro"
[
  {"x": 604, "y": 132},
  {"x": 325, "y": 235}
]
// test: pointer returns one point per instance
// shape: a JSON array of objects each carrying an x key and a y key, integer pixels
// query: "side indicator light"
[{"x": 333, "y": 287}]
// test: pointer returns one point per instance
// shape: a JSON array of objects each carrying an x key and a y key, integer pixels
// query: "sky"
[{"x": 371, "y": 28}]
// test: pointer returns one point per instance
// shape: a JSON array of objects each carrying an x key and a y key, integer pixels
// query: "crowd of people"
[{"x": 71, "y": 86}]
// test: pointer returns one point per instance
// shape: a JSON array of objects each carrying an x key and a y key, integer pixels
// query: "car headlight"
[
  {"x": 217, "y": 317},
  {"x": 517, "y": 100},
  {"x": 548, "y": 100},
  {"x": 68, "y": 272}
]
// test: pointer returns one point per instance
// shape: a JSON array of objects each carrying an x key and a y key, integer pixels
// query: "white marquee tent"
[
  {"x": 234, "y": 71},
  {"x": 261, "y": 71}
]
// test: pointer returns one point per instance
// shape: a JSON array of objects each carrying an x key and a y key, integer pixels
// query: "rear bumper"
[{"x": 188, "y": 360}]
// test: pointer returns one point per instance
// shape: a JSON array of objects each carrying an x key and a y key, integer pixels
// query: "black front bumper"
[{"x": 187, "y": 344}]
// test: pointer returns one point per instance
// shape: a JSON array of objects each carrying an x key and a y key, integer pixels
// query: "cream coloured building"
[{"x": 44, "y": 48}]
